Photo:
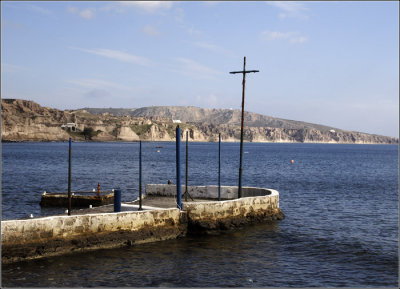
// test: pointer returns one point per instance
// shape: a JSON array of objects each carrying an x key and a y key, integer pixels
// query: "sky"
[{"x": 331, "y": 63}]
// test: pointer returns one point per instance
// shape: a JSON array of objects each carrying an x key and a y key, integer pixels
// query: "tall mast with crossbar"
[{"x": 244, "y": 71}]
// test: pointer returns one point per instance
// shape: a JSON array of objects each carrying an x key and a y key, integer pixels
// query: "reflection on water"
[
  {"x": 256, "y": 256},
  {"x": 228, "y": 259}
]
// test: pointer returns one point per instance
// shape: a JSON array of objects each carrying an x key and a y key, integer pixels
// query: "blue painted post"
[
  {"x": 219, "y": 168},
  {"x": 117, "y": 200},
  {"x": 140, "y": 175},
  {"x": 69, "y": 176},
  {"x": 178, "y": 168}
]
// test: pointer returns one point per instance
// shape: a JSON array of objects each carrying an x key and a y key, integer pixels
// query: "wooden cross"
[{"x": 244, "y": 71}]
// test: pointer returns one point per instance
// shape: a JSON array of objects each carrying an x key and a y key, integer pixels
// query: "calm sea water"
[{"x": 340, "y": 202}]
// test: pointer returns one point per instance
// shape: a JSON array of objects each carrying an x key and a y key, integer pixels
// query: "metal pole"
[
  {"x": 140, "y": 175},
  {"x": 178, "y": 168},
  {"x": 186, "y": 173},
  {"x": 117, "y": 200},
  {"x": 241, "y": 128},
  {"x": 219, "y": 168},
  {"x": 69, "y": 177},
  {"x": 241, "y": 131}
]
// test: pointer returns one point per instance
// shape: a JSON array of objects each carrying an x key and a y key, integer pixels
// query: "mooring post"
[
  {"x": 69, "y": 176},
  {"x": 186, "y": 172},
  {"x": 178, "y": 168},
  {"x": 117, "y": 200},
  {"x": 140, "y": 175},
  {"x": 244, "y": 71},
  {"x": 219, "y": 168}
]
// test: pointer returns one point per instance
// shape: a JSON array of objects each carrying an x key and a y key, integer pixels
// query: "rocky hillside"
[
  {"x": 24, "y": 120},
  {"x": 192, "y": 114}
]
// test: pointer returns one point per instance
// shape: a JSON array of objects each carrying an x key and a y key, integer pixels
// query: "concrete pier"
[{"x": 96, "y": 228}]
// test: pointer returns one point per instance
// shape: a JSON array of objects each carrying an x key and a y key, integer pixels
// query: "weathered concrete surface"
[
  {"x": 204, "y": 192},
  {"x": 256, "y": 205},
  {"x": 155, "y": 201},
  {"x": 207, "y": 192},
  {"x": 97, "y": 228},
  {"x": 35, "y": 238},
  {"x": 206, "y": 217}
]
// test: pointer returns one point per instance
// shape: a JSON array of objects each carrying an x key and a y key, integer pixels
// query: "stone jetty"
[{"x": 159, "y": 219}]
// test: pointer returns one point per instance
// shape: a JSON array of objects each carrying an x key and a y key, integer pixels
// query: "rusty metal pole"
[
  {"x": 242, "y": 123},
  {"x": 241, "y": 131},
  {"x": 140, "y": 175},
  {"x": 186, "y": 172},
  {"x": 219, "y": 167},
  {"x": 69, "y": 177}
]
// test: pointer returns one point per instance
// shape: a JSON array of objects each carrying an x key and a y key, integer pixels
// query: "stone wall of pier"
[
  {"x": 49, "y": 236},
  {"x": 256, "y": 205},
  {"x": 57, "y": 235},
  {"x": 210, "y": 216}
]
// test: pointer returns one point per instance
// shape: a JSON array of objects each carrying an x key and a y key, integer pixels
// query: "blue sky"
[{"x": 332, "y": 63}]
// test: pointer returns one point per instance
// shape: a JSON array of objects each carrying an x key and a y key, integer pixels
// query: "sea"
[{"x": 340, "y": 203}]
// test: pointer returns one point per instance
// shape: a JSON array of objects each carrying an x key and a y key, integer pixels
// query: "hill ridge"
[
  {"x": 215, "y": 116},
  {"x": 23, "y": 120}
]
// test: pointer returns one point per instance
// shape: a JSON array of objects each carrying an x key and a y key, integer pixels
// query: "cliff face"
[
  {"x": 28, "y": 121},
  {"x": 210, "y": 116}
]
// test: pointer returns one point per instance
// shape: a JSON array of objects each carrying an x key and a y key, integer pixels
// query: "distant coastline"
[
  {"x": 168, "y": 141},
  {"x": 24, "y": 121}
]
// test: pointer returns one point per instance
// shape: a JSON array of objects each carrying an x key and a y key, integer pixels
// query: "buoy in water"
[{"x": 292, "y": 161}]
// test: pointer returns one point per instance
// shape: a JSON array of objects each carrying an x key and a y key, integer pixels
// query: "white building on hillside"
[{"x": 70, "y": 125}]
